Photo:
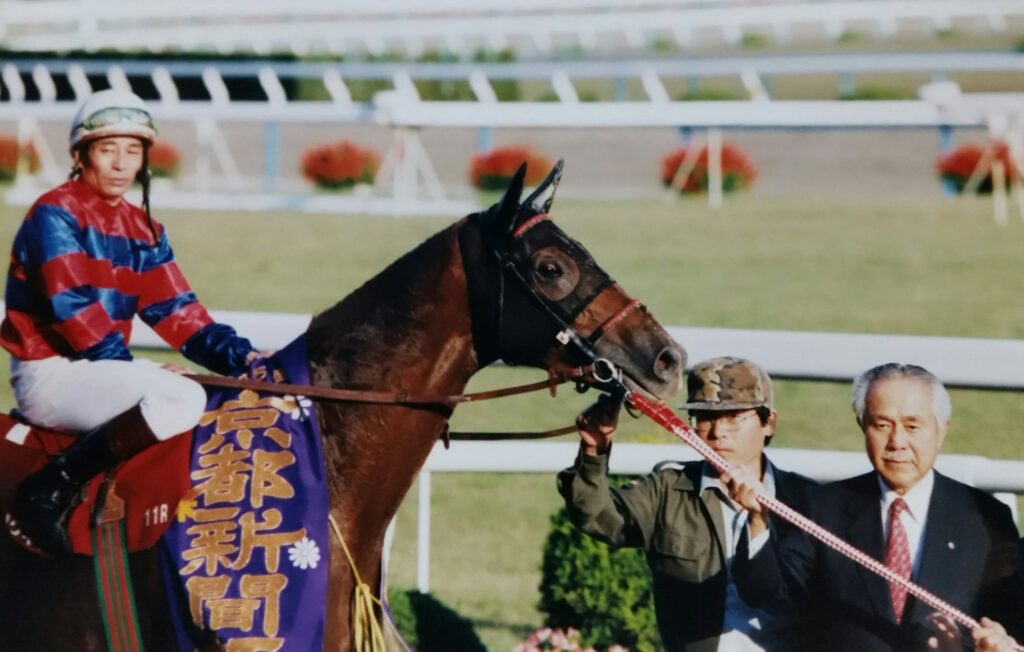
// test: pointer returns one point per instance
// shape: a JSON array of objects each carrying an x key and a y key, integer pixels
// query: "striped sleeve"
[{"x": 50, "y": 247}]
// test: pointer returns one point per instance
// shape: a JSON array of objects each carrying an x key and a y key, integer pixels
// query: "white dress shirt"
[
  {"x": 744, "y": 629},
  {"x": 914, "y": 518}
]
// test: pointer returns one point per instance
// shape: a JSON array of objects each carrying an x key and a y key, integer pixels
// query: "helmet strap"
[
  {"x": 83, "y": 161},
  {"x": 144, "y": 177}
]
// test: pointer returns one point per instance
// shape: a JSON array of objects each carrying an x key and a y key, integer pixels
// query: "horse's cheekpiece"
[{"x": 144, "y": 492}]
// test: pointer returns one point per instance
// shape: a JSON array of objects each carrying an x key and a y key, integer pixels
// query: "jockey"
[{"x": 85, "y": 262}]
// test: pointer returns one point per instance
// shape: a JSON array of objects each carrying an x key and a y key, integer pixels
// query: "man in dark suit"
[
  {"x": 955, "y": 541},
  {"x": 681, "y": 516}
]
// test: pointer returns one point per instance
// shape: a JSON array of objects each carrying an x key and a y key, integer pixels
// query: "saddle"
[{"x": 145, "y": 491}]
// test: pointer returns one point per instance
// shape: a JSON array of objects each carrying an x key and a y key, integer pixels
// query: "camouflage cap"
[{"x": 727, "y": 383}]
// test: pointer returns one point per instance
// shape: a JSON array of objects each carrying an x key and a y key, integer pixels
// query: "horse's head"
[{"x": 550, "y": 305}]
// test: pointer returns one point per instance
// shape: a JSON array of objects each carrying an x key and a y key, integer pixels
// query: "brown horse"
[{"x": 504, "y": 283}]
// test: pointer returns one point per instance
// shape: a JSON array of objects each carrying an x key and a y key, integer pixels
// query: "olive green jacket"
[{"x": 681, "y": 532}]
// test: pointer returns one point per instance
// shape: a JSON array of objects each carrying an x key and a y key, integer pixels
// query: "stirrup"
[{"x": 44, "y": 506}]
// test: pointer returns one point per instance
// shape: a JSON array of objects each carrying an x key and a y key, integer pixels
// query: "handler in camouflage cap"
[
  {"x": 681, "y": 515},
  {"x": 725, "y": 390},
  {"x": 728, "y": 383}
]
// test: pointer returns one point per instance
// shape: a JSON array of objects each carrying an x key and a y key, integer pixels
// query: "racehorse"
[{"x": 506, "y": 283}]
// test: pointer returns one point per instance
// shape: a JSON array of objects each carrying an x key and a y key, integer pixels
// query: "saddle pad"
[{"x": 145, "y": 490}]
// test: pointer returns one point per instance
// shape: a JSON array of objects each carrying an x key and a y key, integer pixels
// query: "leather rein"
[
  {"x": 601, "y": 371},
  {"x": 578, "y": 375}
]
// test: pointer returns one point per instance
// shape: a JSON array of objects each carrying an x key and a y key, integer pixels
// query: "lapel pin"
[{"x": 952, "y": 546}]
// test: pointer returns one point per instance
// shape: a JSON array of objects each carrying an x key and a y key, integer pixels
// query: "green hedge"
[{"x": 605, "y": 594}]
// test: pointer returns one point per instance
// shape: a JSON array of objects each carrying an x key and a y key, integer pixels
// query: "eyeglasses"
[
  {"x": 116, "y": 115},
  {"x": 726, "y": 421}
]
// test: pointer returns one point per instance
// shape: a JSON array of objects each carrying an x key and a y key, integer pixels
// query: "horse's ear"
[
  {"x": 500, "y": 219},
  {"x": 509, "y": 204},
  {"x": 541, "y": 198}
]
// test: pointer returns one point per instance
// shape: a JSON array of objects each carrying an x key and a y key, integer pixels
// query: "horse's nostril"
[{"x": 668, "y": 363}]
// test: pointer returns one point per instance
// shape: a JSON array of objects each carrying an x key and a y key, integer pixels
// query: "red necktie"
[{"x": 897, "y": 556}]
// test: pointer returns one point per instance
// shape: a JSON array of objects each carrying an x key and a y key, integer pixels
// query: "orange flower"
[
  {"x": 340, "y": 165},
  {"x": 737, "y": 170},
  {"x": 9, "y": 154},
  {"x": 494, "y": 169}
]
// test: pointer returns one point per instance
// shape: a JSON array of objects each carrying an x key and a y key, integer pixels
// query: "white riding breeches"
[{"x": 80, "y": 395}]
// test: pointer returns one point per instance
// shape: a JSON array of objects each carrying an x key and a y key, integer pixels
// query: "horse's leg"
[
  {"x": 151, "y": 601},
  {"x": 48, "y": 604},
  {"x": 51, "y": 604}
]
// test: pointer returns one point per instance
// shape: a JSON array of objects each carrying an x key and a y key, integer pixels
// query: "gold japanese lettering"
[
  {"x": 279, "y": 437},
  {"x": 201, "y": 515},
  {"x": 265, "y": 478},
  {"x": 213, "y": 443},
  {"x": 225, "y": 475},
  {"x": 254, "y": 645},
  {"x": 212, "y": 544},
  {"x": 271, "y": 543},
  {"x": 249, "y": 407},
  {"x": 204, "y": 588},
  {"x": 268, "y": 587},
  {"x": 236, "y": 613}
]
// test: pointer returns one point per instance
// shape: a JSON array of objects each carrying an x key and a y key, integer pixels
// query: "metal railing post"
[{"x": 423, "y": 533}]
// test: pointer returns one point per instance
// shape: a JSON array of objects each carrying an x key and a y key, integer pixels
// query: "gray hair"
[{"x": 941, "y": 404}]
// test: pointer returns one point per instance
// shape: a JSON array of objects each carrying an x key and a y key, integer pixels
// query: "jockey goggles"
[{"x": 117, "y": 115}]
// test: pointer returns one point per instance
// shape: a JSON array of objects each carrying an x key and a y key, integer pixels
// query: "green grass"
[{"x": 876, "y": 265}]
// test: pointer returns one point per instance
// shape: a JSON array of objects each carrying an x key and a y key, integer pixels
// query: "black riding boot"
[{"x": 44, "y": 500}]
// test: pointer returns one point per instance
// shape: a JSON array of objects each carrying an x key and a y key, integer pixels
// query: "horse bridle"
[
  {"x": 566, "y": 320},
  {"x": 599, "y": 371}
]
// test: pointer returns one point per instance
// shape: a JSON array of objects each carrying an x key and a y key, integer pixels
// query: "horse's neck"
[{"x": 408, "y": 329}]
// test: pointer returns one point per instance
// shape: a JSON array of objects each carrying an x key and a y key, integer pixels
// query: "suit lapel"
[
  {"x": 941, "y": 539},
  {"x": 865, "y": 532}
]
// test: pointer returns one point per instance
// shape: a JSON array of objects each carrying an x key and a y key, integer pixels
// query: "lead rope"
[
  {"x": 363, "y": 602},
  {"x": 663, "y": 416}
]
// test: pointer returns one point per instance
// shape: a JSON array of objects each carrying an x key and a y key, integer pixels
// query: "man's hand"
[
  {"x": 744, "y": 488},
  {"x": 597, "y": 424},
  {"x": 990, "y": 636}
]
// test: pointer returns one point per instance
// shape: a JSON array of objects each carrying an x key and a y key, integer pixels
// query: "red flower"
[
  {"x": 340, "y": 165},
  {"x": 958, "y": 165},
  {"x": 494, "y": 169},
  {"x": 737, "y": 170},
  {"x": 164, "y": 158}
]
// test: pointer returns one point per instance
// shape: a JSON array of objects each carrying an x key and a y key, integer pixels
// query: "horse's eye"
[{"x": 549, "y": 270}]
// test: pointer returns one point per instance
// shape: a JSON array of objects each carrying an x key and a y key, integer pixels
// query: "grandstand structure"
[
  {"x": 206, "y": 94},
  {"x": 408, "y": 27},
  {"x": 35, "y": 91}
]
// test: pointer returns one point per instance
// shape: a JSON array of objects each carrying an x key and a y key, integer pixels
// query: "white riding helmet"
[{"x": 112, "y": 113}]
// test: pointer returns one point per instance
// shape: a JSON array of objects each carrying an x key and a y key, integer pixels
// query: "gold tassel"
[{"x": 366, "y": 631}]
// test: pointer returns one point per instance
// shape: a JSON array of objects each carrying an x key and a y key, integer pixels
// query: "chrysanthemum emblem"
[
  {"x": 302, "y": 408},
  {"x": 304, "y": 554}
]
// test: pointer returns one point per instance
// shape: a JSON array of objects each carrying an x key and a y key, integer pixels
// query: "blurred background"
[{"x": 818, "y": 186}]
